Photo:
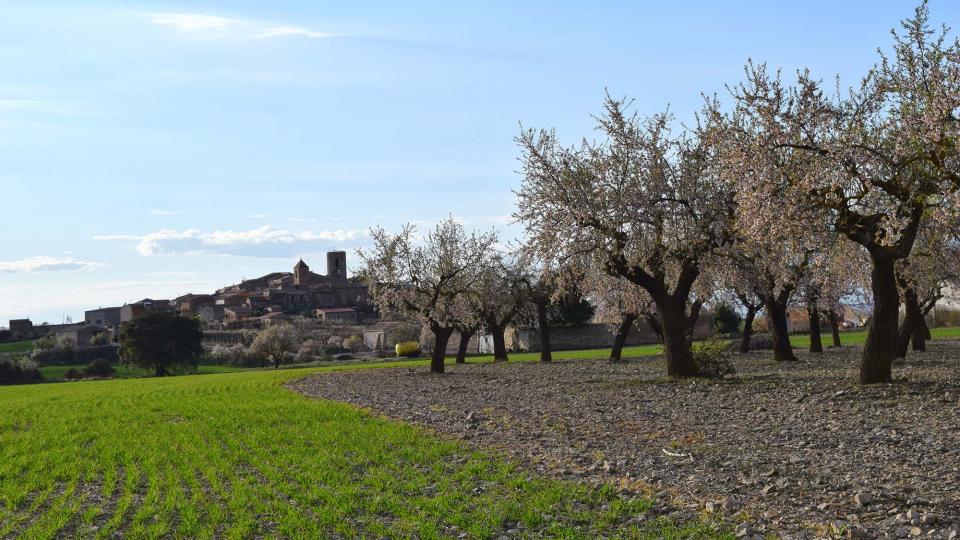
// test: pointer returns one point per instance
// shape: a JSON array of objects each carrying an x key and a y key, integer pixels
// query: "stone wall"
[{"x": 592, "y": 336}]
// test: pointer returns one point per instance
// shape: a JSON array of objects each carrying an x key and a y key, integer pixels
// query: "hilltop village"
[{"x": 278, "y": 296}]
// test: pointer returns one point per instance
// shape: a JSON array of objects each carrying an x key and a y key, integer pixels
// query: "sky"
[{"x": 150, "y": 149}]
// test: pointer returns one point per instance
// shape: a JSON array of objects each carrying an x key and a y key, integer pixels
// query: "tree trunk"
[
  {"x": 441, "y": 337},
  {"x": 695, "y": 308},
  {"x": 499, "y": 343},
  {"x": 880, "y": 346},
  {"x": 621, "y": 337},
  {"x": 912, "y": 314},
  {"x": 543, "y": 326},
  {"x": 463, "y": 345},
  {"x": 747, "y": 330},
  {"x": 676, "y": 346},
  {"x": 160, "y": 371},
  {"x": 776, "y": 308},
  {"x": 813, "y": 316},
  {"x": 834, "y": 327},
  {"x": 653, "y": 321},
  {"x": 918, "y": 340}
]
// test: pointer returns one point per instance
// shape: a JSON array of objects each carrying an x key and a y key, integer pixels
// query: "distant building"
[
  {"x": 301, "y": 291},
  {"x": 82, "y": 335},
  {"x": 132, "y": 312},
  {"x": 21, "y": 329},
  {"x": 189, "y": 305},
  {"x": 381, "y": 336},
  {"x": 106, "y": 317},
  {"x": 344, "y": 314}
]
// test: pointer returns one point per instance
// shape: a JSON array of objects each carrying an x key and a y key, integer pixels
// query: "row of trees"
[{"x": 793, "y": 194}]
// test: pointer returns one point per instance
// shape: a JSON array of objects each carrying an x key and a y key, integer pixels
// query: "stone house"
[
  {"x": 21, "y": 329},
  {"x": 82, "y": 335},
  {"x": 131, "y": 312},
  {"x": 106, "y": 317},
  {"x": 344, "y": 314}
]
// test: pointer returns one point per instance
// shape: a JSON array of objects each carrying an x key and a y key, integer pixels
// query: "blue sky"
[{"x": 154, "y": 149}]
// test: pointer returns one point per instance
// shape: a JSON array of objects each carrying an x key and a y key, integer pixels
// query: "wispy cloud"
[
  {"x": 287, "y": 31},
  {"x": 262, "y": 241},
  {"x": 192, "y": 22},
  {"x": 161, "y": 212},
  {"x": 212, "y": 25},
  {"x": 46, "y": 264},
  {"x": 258, "y": 216}
]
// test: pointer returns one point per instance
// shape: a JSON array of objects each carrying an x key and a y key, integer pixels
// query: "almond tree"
[
  {"x": 427, "y": 280},
  {"x": 618, "y": 299},
  {"x": 502, "y": 294},
  {"x": 922, "y": 277},
  {"x": 879, "y": 157},
  {"x": 644, "y": 204}
]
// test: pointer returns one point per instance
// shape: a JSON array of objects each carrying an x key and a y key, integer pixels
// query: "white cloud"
[
  {"x": 160, "y": 212},
  {"x": 285, "y": 31},
  {"x": 46, "y": 264},
  {"x": 192, "y": 22},
  {"x": 262, "y": 241},
  {"x": 203, "y": 24},
  {"x": 258, "y": 216}
]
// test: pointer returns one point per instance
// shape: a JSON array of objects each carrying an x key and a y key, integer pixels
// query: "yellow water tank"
[{"x": 407, "y": 348}]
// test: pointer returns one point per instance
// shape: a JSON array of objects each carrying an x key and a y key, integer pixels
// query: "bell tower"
[
  {"x": 301, "y": 274},
  {"x": 337, "y": 265}
]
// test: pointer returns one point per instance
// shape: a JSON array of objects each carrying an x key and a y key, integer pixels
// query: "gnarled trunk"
[
  {"x": 813, "y": 317},
  {"x": 880, "y": 346},
  {"x": 695, "y": 308},
  {"x": 776, "y": 308},
  {"x": 747, "y": 329},
  {"x": 441, "y": 336},
  {"x": 834, "y": 327},
  {"x": 499, "y": 343},
  {"x": 465, "y": 336},
  {"x": 621, "y": 337},
  {"x": 543, "y": 328},
  {"x": 676, "y": 344}
]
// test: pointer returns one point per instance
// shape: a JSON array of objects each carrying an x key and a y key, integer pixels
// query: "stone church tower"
[{"x": 301, "y": 274}]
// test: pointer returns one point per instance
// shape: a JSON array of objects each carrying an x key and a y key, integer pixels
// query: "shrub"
[
  {"x": 353, "y": 343},
  {"x": 712, "y": 359},
  {"x": 726, "y": 320},
  {"x": 99, "y": 368},
  {"x": 45, "y": 343},
  {"x": 19, "y": 371},
  {"x": 311, "y": 350},
  {"x": 74, "y": 374}
]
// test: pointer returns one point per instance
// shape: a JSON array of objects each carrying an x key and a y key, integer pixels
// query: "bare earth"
[{"x": 799, "y": 450}]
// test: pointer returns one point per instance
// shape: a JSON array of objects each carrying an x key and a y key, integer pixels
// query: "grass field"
[
  {"x": 16, "y": 347},
  {"x": 237, "y": 455}
]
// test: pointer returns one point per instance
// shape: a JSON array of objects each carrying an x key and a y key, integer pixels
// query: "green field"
[
  {"x": 237, "y": 455},
  {"x": 16, "y": 347}
]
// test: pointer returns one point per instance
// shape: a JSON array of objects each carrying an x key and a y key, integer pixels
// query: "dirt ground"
[{"x": 795, "y": 450}]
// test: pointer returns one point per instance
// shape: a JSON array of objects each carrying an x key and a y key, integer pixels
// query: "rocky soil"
[{"x": 791, "y": 450}]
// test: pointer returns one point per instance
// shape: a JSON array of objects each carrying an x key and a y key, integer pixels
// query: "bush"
[
  {"x": 19, "y": 371},
  {"x": 311, "y": 350},
  {"x": 726, "y": 320},
  {"x": 74, "y": 374},
  {"x": 238, "y": 355},
  {"x": 99, "y": 368},
  {"x": 712, "y": 359},
  {"x": 353, "y": 343}
]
